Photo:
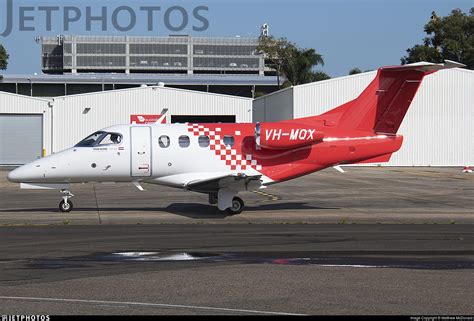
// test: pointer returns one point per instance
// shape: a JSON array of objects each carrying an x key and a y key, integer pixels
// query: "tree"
[
  {"x": 3, "y": 58},
  {"x": 294, "y": 63},
  {"x": 276, "y": 52},
  {"x": 354, "y": 71},
  {"x": 318, "y": 76},
  {"x": 450, "y": 37}
]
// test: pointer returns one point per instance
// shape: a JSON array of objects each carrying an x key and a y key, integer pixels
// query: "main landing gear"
[
  {"x": 66, "y": 205},
  {"x": 236, "y": 208}
]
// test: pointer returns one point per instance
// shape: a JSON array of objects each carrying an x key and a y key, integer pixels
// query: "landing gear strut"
[
  {"x": 213, "y": 199},
  {"x": 66, "y": 205},
  {"x": 236, "y": 207}
]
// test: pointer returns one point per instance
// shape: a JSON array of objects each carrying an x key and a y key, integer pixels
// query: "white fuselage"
[{"x": 157, "y": 154}]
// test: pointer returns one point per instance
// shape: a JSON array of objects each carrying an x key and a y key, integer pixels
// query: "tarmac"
[
  {"x": 361, "y": 195},
  {"x": 370, "y": 241},
  {"x": 422, "y": 269}
]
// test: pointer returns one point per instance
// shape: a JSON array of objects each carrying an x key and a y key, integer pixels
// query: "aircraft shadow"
[{"x": 190, "y": 210}]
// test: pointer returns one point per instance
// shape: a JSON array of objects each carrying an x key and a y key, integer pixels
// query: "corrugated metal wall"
[
  {"x": 438, "y": 129},
  {"x": 274, "y": 107},
  {"x": 319, "y": 97},
  {"x": 18, "y": 104},
  {"x": 71, "y": 122}
]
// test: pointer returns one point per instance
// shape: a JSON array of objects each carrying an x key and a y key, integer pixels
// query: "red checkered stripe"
[{"x": 228, "y": 154}]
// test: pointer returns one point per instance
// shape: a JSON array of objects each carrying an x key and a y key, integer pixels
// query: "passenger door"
[{"x": 141, "y": 150}]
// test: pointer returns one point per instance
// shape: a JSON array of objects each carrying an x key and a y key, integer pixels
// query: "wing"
[{"x": 236, "y": 182}]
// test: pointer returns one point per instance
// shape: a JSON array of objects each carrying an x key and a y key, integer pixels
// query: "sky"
[{"x": 348, "y": 33}]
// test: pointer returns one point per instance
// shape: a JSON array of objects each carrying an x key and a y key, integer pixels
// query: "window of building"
[
  {"x": 164, "y": 141},
  {"x": 229, "y": 141},
  {"x": 204, "y": 141},
  {"x": 184, "y": 141}
]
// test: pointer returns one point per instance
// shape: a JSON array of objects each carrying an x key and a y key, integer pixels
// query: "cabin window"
[
  {"x": 184, "y": 141},
  {"x": 91, "y": 140},
  {"x": 164, "y": 141},
  {"x": 204, "y": 141},
  {"x": 229, "y": 141}
]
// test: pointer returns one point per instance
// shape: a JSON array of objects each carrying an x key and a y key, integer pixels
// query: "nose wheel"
[{"x": 66, "y": 205}]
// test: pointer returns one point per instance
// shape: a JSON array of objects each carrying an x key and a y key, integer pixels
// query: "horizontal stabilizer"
[{"x": 426, "y": 67}]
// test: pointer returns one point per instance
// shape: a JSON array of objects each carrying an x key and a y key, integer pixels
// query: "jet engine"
[{"x": 285, "y": 135}]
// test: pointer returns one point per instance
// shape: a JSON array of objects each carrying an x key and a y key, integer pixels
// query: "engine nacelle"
[{"x": 285, "y": 135}]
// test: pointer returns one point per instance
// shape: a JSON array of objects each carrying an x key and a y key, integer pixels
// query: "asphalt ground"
[
  {"x": 237, "y": 269},
  {"x": 370, "y": 241},
  {"x": 361, "y": 195}
]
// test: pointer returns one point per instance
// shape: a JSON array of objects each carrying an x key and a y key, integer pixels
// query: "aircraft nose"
[{"x": 22, "y": 174}]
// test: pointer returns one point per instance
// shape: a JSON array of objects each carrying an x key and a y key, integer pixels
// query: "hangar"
[
  {"x": 32, "y": 127},
  {"x": 25, "y": 124},
  {"x": 438, "y": 127}
]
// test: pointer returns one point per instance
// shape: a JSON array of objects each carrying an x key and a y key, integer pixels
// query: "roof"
[
  {"x": 138, "y": 79},
  {"x": 4, "y": 93},
  {"x": 112, "y": 92}
]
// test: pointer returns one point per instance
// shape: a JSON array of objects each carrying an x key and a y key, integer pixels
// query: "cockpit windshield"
[{"x": 100, "y": 138}]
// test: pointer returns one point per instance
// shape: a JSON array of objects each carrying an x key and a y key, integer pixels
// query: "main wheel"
[
  {"x": 212, "y": 199},
  {"x": 65, "y": 207},
  {"x": 237, "y": 206}
]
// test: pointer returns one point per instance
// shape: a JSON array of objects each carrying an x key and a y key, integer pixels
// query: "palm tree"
[
  {"x": 290, "y": 61},
  {"x": 299, "y": 67}
]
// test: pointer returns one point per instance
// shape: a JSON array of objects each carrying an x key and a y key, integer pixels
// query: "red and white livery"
[{"x": 222, "y": 160}]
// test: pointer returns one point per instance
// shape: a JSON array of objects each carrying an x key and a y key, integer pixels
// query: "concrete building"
[
  {"x": 32, "y": 127},
  {"x": 173, "y": 54},
  {"x": 438, "y": 128},
  {"x": 82, "y": 64}
]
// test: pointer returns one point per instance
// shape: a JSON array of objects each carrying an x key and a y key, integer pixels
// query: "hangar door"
[{"x": 21, "y": 138}]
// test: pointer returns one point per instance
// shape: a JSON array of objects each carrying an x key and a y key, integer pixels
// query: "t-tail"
[
  {"x": 382, "y": 106},
  {"x": 377, "y": 113}
]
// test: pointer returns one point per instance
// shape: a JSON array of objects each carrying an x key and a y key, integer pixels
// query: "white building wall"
[
  {"x": 18, "y": 104},
  {"x": 274, "y": 107},
  {"x": 316, "y": 98},
  {"x": 71, "y": 123},
  {"x": 439, "y": 126}
]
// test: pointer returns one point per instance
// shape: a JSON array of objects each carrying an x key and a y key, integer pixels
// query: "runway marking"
[
  {"x": 271, "y": 197},
  {"x": 352, "y": 265},
  {"x": 160, "y": 305}
]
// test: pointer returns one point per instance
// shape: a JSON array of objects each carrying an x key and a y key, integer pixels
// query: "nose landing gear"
[{"x": 66, "y": 205}]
